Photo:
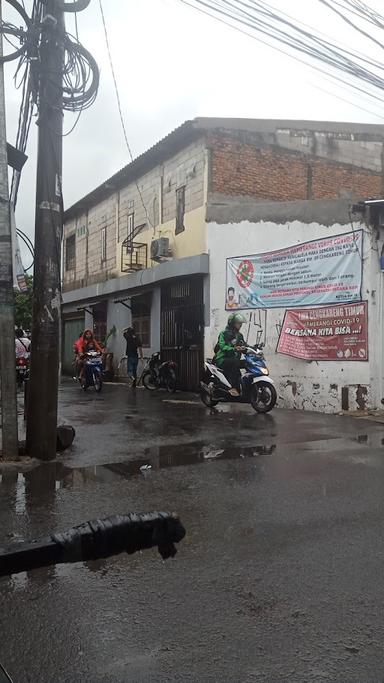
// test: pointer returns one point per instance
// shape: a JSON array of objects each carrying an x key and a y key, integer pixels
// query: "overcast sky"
[{"x": 172, "y": 64}]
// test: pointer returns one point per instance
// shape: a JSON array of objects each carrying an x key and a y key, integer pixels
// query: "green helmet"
[{"x": 236, "y": 318}]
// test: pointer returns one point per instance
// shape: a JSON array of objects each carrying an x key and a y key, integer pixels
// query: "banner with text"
[
  {"x": 308, "y": 274},
  {"x": 326, "y": 333}
]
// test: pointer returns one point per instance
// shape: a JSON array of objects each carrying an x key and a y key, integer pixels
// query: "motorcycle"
[
  {"x": 22, "y": 370},
  {"x": 93, "y": 368},
  {"x": 256, "y": 387},
  {"x": 160, "y": 375}
]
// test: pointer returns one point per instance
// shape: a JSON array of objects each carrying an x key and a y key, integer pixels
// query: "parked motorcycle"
[
  {"x": 93, "y": 368},
  {"x": 160, "y": 375},
  {"x": 22, "y": 370},
  {"x": 256, "y": 387}
]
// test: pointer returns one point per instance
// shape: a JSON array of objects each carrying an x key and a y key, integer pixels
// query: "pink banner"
[{"x": 326, "y": 333}]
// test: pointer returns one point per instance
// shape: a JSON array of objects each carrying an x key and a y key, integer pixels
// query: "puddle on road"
[{"x": 37, "y": 488}]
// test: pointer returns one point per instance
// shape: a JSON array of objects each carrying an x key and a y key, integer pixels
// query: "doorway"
[{"x": 182, "y": 328}]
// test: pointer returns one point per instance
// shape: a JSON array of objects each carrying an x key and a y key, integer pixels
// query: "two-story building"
[{"x": 149, "y": 245}]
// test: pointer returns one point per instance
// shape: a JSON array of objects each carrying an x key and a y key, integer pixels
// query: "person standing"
[
  {"x": 22, "y": 344},
  {"x": 134, "y": 351}
]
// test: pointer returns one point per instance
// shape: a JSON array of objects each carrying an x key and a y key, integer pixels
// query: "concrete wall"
[
  {"x": 190, "y": 242},
  {"x": 300, "y": 384},
  {"x": 349, "y": 148},
  {"x": 153, "y": 202}
]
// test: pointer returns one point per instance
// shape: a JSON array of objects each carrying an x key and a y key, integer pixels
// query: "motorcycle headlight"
[{"x": 265, "y": 371}]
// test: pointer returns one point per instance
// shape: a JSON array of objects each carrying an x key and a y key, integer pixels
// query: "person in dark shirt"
[{"x": 133, "y": 352}]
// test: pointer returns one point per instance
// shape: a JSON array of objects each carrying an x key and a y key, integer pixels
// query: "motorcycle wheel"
[
  {"x": 97, "y": 382},
  {"x": 263, "y": 397},
  {"x": 149, "y": 381},
  {"x": 170, "y": 382}
]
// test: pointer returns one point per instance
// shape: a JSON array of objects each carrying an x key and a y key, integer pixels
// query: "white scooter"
[{"x": 256, "y": 387}]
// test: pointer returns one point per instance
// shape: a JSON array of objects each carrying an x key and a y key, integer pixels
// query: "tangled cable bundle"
[
  {"x": 80, "y": 70},
  {"x": 80, "y": 76}
]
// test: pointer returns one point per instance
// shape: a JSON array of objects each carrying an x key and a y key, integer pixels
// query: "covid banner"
[
  {"x": 326, "y": 333},
  {"x": 308, "y": 274}
]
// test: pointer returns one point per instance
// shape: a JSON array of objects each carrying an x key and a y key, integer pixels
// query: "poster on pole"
[
  {"x": 326, "y": 333},
  {"x": 312, "y": 273}
]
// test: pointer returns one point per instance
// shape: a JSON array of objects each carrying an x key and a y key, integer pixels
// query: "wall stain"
[{"x": 361, "y": 397}]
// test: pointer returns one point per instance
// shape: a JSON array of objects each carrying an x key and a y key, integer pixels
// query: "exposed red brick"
[{"x": 243, "y": 168}]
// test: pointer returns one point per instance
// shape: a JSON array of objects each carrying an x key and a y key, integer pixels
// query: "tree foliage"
[{"x": 23, "y": 306}]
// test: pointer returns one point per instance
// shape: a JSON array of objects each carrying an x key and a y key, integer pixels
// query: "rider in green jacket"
[{"x": 228, "y": 351}]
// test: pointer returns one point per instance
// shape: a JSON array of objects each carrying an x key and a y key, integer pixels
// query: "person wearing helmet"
[{"x": 228, "y": 351}]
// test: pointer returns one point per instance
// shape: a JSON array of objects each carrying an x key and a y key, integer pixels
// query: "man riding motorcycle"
[{"x": 228, "y": 351}]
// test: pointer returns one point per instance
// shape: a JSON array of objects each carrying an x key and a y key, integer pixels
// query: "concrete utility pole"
[
  {"x": 42, "y": 400},
  {"x": 7, "y": 323}
]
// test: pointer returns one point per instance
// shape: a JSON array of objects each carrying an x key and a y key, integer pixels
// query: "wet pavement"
[{"x": 279, "y": 579}]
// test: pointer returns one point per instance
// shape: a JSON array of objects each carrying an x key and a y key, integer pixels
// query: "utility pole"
[
  {"x": 42, "y": 400},
  {"x": 7, "y": 323}
]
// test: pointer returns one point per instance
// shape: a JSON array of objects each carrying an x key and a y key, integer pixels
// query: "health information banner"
[
  {"x": 326, "y": 333},
  {"x": 307, "y": 274}
]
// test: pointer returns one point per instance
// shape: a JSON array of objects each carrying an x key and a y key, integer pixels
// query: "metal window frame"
[
  {"x": 130, "y": 224},
  {"x": 72, "y": 266},
  {"x": 103, "y": 244},
  {"x": 180, "y": 191}
]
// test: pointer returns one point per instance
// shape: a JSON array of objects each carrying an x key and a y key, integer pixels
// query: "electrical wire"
[
  {"x": 343, "y": 99},
  {"x": 23, "y": 237},
  {"x": 29, "y": 87},
  {"x": 264, "y": 20},
  {"x": 120, "y": 109},
  {"x": 79, "y": 90},
  {"x": 282, "y": 51}
]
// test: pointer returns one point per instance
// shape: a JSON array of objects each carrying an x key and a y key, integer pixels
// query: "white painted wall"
[
  {"x": 309, "y": 385},
  {"x": 120, "y": 316}
]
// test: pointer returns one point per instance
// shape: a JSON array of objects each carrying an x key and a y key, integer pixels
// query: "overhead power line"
[
  {"x": 278, "y": 30},
  {"x": 118, "y": 99}
]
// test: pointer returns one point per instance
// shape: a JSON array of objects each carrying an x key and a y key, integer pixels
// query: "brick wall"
[{"x": 242, "y": 168}]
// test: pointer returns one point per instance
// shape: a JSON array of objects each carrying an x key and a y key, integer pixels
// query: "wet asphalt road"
[{"x": 280, "y": 578}]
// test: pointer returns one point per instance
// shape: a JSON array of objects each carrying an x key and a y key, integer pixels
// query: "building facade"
[{"x": 149, "y": 246}]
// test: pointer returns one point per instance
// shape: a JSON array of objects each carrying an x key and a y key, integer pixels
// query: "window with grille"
[
  {"x": 180, "y": 209},
  {"x": 70, "y": 252}
]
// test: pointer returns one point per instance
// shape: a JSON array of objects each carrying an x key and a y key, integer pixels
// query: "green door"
[{"x": 72, "y": 328}]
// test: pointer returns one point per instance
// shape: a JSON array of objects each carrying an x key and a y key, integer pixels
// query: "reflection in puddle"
[{"x": 37, "y": 488}]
